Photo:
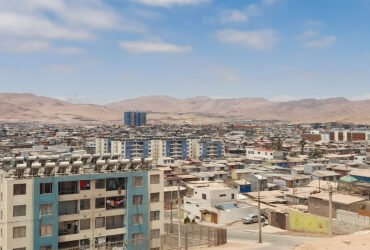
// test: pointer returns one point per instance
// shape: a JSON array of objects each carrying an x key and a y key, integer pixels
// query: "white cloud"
[
  {"x": 313, "y": 23},
  {"x": 234, "y": 16},
  {"x": 70, "y": 51},
  {"x": 169, "y": 3},
  {"x": 321, "y": 42},
  {"x": 308, "y": 34},
  {"x": 24, "y": 46},
  {"x": 62, "y": 68},
  {"x": 258, "y": 39},
  {"x": 54, "y": 20},
  {"x": 153, "y": 47}
]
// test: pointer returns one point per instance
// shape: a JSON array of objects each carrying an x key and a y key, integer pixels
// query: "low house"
[
  {"x": 217, "y": 204},
  {"x": 318, "y": 203},
  {"x": 325, "y": 175}
]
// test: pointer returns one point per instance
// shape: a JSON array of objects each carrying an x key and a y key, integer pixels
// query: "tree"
[
  {"x": 278, "y": 144},
  {"x": 302, "y": 143}
]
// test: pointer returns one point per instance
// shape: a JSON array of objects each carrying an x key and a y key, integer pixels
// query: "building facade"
[
  {"x": 76, "y": 205},
  {"x": 135, "y": 118}
]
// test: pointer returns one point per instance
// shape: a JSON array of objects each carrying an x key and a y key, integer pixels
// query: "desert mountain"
[{"x": 29, "y": 107}]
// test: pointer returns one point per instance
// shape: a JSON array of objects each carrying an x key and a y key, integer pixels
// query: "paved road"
[{"x": 271, "y": 241}]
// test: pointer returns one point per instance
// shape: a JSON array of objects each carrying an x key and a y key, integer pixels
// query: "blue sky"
[{"x": 102, "y": 51}]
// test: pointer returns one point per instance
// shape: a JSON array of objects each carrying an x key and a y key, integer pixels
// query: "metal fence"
[{"x": 192, "y": 235}]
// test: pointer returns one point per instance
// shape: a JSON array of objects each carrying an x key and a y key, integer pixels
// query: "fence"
[{"x": 192, "y": 235}]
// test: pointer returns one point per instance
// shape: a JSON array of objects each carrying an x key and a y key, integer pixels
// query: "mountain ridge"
[{"x": 200, "y": 109}]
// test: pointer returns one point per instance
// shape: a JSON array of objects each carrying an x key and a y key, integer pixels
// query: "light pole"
[
  {"x": 330, "y": 210},
  {"x": 259, "y": 212},
  {"x": 178, "y": 216}
]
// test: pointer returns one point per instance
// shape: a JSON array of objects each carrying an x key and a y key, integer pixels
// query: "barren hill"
[{"x": 29, "y": 107}]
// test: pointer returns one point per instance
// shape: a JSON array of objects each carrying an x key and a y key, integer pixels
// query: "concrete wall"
[
  {"x": 236, "y": 214},
  {"x": 349, "y": 222},
  {"x": 308, "y": 223}
]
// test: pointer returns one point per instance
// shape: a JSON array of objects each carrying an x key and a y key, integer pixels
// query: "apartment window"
[
  {"x": 154, "y": 197},
  {"x": 137, "y": 238},
  {"x": 19, "y": 248},
  {"x": 138, "y": 181},
  {"x": 204, "y": 196},
  {"x": 118, "y": 238},
  {"x": 113, "y": 222},
  {"x": 84, "y": 224},
  {"x": 46, "y": 230},
  {"x": 68, "y": 187},
  {"x": 99, "y": 222},
  {"x": 84, "y": 204},
  {"x": 19, "y": 210},
  {"x": 232, "y": 196},
  {"x": 68, "y": 207},
  {"x": 85, "y": 244},
  {"x": 154, "y": 215},
  {"x": 155, "y": 233},
  {"x": 85, "y": 185},
  {"x": 100, "y": 203},
  {"x": 116, "y": 202},
  {"x": 100, "y": 184},
  {"x": 19, "y": 232},
  {"x": 46, "y": 209},
  {"x": 46, "y": 188},
  {"x": 46, "y": 248},
  {"x": 19, "y": 189},
  {"x": 155, "y": 179},
  {"x": 137, "y": 219},
  {"x": 137, "y": 200},
  {"x": 115, "y": 184}
]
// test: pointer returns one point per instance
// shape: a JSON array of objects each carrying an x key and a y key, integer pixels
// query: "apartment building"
[
  {"x": 81, "y": 203},
  {"x": 179, "y": 148},
  {"x": 135, "y": 118},
  {"x": 349, "y": 136}
]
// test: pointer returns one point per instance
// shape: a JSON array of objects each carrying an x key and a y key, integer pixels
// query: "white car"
[{"x": 252, "y": 218}]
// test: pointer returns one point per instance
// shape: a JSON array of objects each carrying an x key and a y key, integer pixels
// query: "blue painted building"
[{"x": 135, "y": 118}]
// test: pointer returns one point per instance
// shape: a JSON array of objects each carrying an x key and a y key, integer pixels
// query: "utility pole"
[
  {"x": 178, "y": 216},
  {"x": 330, "y": 210},
  {"x": 293, "y": 192},
  {"x": 171, "y": 228},
  {"x": 259, "y": 214}
]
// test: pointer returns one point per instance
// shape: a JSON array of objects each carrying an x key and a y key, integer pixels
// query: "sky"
[{"x": 100, "y": 51}]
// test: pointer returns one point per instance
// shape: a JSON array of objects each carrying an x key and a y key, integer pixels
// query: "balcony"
[
  {"x": 68, "y": 187},
  {"x": 115, "y": 202},
  {"x": 68, "y": 228}
]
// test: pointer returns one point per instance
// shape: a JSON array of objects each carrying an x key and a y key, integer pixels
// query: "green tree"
[{"x": 302, "y": 143}]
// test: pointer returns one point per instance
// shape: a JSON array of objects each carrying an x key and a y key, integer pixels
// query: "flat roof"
[{"x": 338, "y": 198}]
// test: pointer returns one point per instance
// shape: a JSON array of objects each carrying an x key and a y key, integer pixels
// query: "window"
[
  {"x": 19, "y": 232},
  {"x": 46, "y": 209},
  {"x": 115, "y": 184},
  {"x": 137, "y": 238},
  {"x": 100, "y": 184},
  {"x": 46, "y": 188},
  {"x": 222, "y": 195},
  {"x": 113, "y": 222},
  {"x": 138, "y": 181},
  {"x": 116, "y": 202},
  {"x": 155, "y": 234},
  {"x": 154, "y": 179},
  {"x": 68, "y": 187},
  {"x": 84, "y": 204},
  {"x": 85, "y": 244},
  {"x": 19, "y": 189},
  {"x": 99, "y": 222},
  {"x": 232, "y": 196},
  {"x": 46, "y": 230},
  {"x": 100, "y": 203},
  {"x": 154, "y": 197},
  {"x": 84, "y": 224},
  {"x": 137, "y": 219},
  {"x": 137, "y": 200},
  {"x": 154, "y": 215},
  {"x": 19, "y": 210},
  {"x": 204, "y": 196},
  {"x": 68, "y": 207},
  {"x": 46, "y": 248},
  {"x": 84, "y": 185},
  {"x": 19, "y": 248}
]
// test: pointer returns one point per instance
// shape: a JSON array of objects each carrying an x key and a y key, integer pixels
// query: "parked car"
[{"x": 252, "y": 218}]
